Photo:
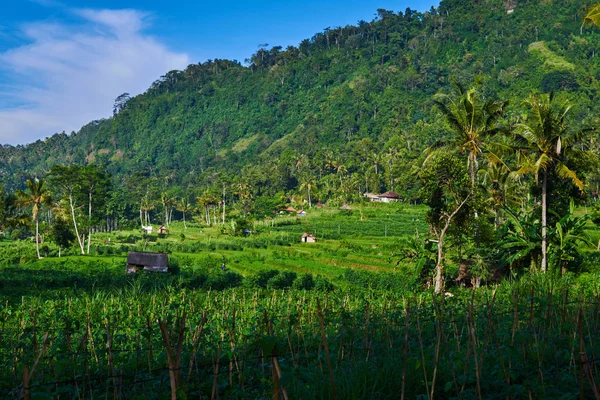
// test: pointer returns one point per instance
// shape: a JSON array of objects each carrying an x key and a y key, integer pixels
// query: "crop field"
[{"x": 342, "y": 318}]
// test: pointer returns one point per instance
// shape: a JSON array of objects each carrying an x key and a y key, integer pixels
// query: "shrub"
[
  {"x": 262, "y": 278},
  {"x": 282, "y": 280},
  {"x": 224, "y": 281},
  {"x": 304, "y": 282},
  {"x": 18, "y": 234},
  {"x": 323, "y": 285}
]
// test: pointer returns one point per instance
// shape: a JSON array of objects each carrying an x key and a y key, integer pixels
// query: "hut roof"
[
  {"x": 390, "y": 195},
  {"x": 148, "y": 259},
  {"x": 345, "y": 207},
  {"x": 306, "y": 235},
  {"x": 290, "y": 209},
  {"x": 370, "y": 195}
]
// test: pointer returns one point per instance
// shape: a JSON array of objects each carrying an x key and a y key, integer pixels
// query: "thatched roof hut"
[{"x": 156, "y": 262}]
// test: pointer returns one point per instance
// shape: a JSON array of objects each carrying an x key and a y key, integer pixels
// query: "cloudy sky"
[{"x": 62, "y": 63}]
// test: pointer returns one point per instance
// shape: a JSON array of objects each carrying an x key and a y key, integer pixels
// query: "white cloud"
[{"x": 68, "y": 75}]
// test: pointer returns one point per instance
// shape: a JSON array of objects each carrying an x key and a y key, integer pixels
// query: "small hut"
[
  {"x": 345, "y": 207},
  {"x": 147, "y": 229},
  {"x": 308, "y": 238},
  {"x": 162, "y": 230},
  {"x": 154, "y": 262},
  {"x": 301, "y": 213},
  {"x": 389, "y": 197}
]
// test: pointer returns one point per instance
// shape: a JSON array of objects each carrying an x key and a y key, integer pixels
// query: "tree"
[
  {"x": 184, "y": 206},
  {"x": 474, "y": 120},
  {"x": 94, "y": 185},
  {"x": 36, "y": 196},
  {"x": 168, "y": 202},
  {"x": 445, "y": 190},
  {"x": 62, "y": 234},
  {"x": 544, "y": 145},
  {"x": 121, "y": 103},
  {"x": 67, "y": 179}
]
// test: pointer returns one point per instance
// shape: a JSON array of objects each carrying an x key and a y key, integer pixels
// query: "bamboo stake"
[{"x": 324, "y": 340}]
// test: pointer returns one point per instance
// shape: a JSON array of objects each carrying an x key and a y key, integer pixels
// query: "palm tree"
[
  {"x": 474, "y": 120},
  {"x": 307, "y": 181},
  {"x": 547, "y": 144},
  {"x": 36, "y": 196},
  {"x": 184, "y": 206}
]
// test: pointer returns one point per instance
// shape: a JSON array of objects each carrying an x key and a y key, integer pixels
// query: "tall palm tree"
[
  {"x": 308, "y": 183},
  {"x": 473, "y": 119},
  {"x": 36, "y": 196},
  {"x": 184, "y": 206},
  {"x": 546, "y": 144}
]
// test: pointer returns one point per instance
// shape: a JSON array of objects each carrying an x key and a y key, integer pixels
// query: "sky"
[{"x": 63, "y": 62}]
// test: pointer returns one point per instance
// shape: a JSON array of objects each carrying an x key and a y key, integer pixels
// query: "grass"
[{"x": 550, "y": 58}]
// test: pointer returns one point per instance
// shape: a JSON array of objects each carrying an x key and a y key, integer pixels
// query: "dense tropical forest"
[{"x": 478, "y": 119}]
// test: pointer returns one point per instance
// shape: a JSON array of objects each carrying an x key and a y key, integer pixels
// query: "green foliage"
[
  {"x": 445, "y": 184},
  {"x": 304, "y": 282},
  {"x": 556, "y": 81},
  {"x": 282, "y": 280}
]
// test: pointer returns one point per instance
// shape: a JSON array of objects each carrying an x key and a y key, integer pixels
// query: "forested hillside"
[{"x": 350, "y": 107}]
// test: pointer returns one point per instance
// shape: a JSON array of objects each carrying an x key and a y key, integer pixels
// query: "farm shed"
[
  {"x": 155, "y": 262},
  {"x": 308, "y": 238},
  {"x": 388, "y": 197},
  {"x": 301, "y": 213},
  {"x": 162, "y": 230}
]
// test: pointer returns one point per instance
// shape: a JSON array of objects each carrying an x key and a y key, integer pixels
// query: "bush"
[
  {"x": 262, "y": 278},
  {"x": 282, "y": 280},
  {"x": 304, "y": 282},
  {"x": 323, "y": 285},
  {"x": 18, "y": 234},
  {"x": 224, "y": 281}
]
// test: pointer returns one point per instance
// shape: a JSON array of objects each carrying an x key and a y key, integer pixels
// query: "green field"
[{"x": 354, "y": 322}]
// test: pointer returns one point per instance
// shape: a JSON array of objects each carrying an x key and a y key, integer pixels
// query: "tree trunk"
[
  {"x": 75, "y": 224},
  {"x": 544, "y": 212},
  {"x": 472, "y": 169},
  {"x": 223, "y": 204},
  {"x": 439, "y": 267},
  {"x": 37, "y": 235},
  {"x": 309, "y": 202},
  {"x": 89, "y": 222},
  {"x": 184, "y": 225}
]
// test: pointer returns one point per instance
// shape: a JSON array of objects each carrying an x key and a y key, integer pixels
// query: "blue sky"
[{"x": 62, "y": 63}]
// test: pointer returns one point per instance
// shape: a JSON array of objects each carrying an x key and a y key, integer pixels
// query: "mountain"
[{"x": 355, "y": 99}]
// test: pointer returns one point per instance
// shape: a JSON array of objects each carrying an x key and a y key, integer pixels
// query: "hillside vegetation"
[{"x": 362, "y": 93}]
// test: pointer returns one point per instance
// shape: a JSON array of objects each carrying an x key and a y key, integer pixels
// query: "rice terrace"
[{"x": 406, "y": 208}]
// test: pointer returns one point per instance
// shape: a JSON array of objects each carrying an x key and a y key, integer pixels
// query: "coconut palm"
[
  {"x": 36, "y": 196},
  {"x": 473, "y": 119},
  {"x": 545, "y": 145},
  {"x": 184, "y": 206}
]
